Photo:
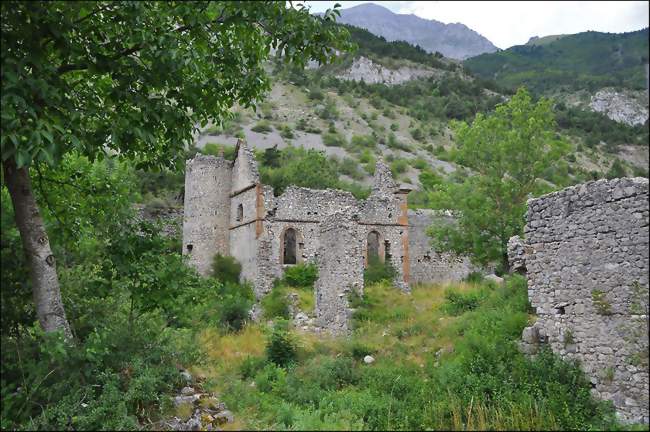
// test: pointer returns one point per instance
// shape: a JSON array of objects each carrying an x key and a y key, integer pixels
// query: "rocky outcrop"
[
  {"x": 364, "y": 69},
  {"x": 623, "y": 107}
]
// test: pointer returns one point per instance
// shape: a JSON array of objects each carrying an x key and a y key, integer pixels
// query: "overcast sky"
[{"x": 507, "y": 23}]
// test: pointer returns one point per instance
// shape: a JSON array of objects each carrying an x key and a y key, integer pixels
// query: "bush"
[
  {"x": 398, "y": 166},
  {"x": 458, "y": 302},
  {"x": 275, "y": 303},
  {"x": 419, "y": 163},
  {"x": 225, "y": 268},
  {"x": 287, "y": 132},
  {"x": 262, "y": 127},
  {"x": 474, "y": 277},
  {"x": 350, "y": 168},
  {"x": 363, "y": 142},
  {"x": 316, "y": 93},
  {"x": 378, "y": 271},
  {"x": 333, "y": 140},
  {"x": 251, "y": 366},
  {"x": 236, "y": 302},
  {"x": 301, "y": 275},
  {"x": 281, "y": 348},
  {"x": 358, "y": 350}
]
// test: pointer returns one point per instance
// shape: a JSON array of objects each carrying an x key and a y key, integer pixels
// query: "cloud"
[{"x": 507, "y": 23}]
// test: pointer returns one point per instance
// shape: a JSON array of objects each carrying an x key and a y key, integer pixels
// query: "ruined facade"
[
  {"x": 427, "y": 264},
  {"x": 229, "y": 211},
  {"x": 586, "y": 258}
]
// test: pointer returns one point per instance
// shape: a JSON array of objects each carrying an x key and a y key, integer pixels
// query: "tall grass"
[{"x": 433, "y": 370}]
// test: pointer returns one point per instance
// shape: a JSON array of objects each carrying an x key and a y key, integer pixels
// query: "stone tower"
[{"x": 207, "y": 210}]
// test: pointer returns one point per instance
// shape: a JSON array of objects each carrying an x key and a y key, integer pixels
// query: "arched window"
[
  {"x": 240, "y": 212},
  {"x": 289, "y": 247},
  {"x": 373, "y": 246}
]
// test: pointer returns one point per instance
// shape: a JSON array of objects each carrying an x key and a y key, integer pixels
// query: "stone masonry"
[
  {"x": 586, "y": 257},
  {"x": 340, "y": 269},
  {"x": 229, "y": 211},
  {"x": 427, "y": 264}
]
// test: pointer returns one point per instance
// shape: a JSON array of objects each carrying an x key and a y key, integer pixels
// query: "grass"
[{"x": 433, "y": 370}]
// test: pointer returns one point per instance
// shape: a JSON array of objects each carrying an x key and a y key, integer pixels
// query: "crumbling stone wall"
[
  {"x": 206, "y": 213},
  {"x": 427, "y": 264},
  {"x": 587, "y": 267},
  {"x": 340, "y": 271}
]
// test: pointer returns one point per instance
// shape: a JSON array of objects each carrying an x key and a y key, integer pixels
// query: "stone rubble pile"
[{"x": 208, "y": 413}]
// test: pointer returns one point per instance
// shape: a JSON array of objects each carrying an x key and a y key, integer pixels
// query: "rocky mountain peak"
[{"x": 455, "y": 40}]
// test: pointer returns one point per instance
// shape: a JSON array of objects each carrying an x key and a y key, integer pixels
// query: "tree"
[
  {"x": 507, "y": 151},
  {"x": 132, "y": 79}
]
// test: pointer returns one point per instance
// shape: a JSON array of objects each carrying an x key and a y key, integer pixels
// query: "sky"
[{"x": 508, "y": 23}]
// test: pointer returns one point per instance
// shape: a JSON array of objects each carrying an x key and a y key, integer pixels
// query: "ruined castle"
[{"x": 229, "y": 211}]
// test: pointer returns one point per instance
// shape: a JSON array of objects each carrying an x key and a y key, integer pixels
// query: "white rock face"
[
  {"x": 620, "y": 107},
  {"x": 364, "y": 69},
  {"x": 368, "y": 359}
]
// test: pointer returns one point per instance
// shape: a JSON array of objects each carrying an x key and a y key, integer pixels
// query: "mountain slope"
[
  {"x": 456, "y": 40},
  {"x": 589, "y": 60}
]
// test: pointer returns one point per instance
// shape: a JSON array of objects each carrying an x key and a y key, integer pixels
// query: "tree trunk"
[{"x": 42, "y": 266}]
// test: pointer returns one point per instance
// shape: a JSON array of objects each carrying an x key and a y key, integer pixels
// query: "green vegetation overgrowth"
[{"x": 588, "y": 60}]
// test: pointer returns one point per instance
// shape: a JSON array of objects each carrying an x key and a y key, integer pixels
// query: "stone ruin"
[
  {"x": 586, "y": 259},
  {"x": 229, "y": 211}
]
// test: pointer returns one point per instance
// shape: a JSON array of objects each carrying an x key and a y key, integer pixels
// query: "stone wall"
[
  {"x": 206, "y": 213},
  {"x": 427, "y": 264},
  {"x": 340, "y": 271},
  {"x": 586, "y": 255}
]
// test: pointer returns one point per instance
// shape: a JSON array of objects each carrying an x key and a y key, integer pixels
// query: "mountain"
[
  {"x": 582, "y": 61},
  {"x": 536, "y": 40},
  {"x": 396, "y": 101},
  {"x": 455, "y": 41}
]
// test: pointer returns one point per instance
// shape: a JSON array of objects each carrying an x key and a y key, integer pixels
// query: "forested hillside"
[{"x": 589, "y": 60}]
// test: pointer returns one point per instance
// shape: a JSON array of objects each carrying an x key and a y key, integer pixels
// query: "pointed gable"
[{"x": 244, "y": 172}]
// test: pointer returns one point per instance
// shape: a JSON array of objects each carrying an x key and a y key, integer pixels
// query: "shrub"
[
  {"x": 458, "y": 302},
  {"x": 262, "y": 127},
  {"x": 363, "y": 142},
  {"x": 281, "y": 348},
  {"x": 398, "y": 166},
  {"x": 475, "y": 277},
  {"x": 599, "y": 300},
  {"x": 268, "y": 377},
  {"x": 251, "y": 366},
  {"x": 225, "y": 268},
  {"x": 332, "y": 373},
  {"x": 617, "y": 170},
  {"x": 233, "y": 309},
  {"x": 333, "y": 140},
  {"x": 287, "y": 132},
  {"x": 419, "y": 163},
  {"x": 350, "y": 167},
  {"x": 378, "y": 271},
  {"x": 275, "y": 303},
  {"x": 358, "y": 350},
  {"x": 215, "y": 149},
  {"x": 301, "y": 275},
  {"x": 316, "y": 93}
]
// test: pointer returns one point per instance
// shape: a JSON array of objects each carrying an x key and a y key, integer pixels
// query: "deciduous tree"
[{"x": 132, "y": 79}]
